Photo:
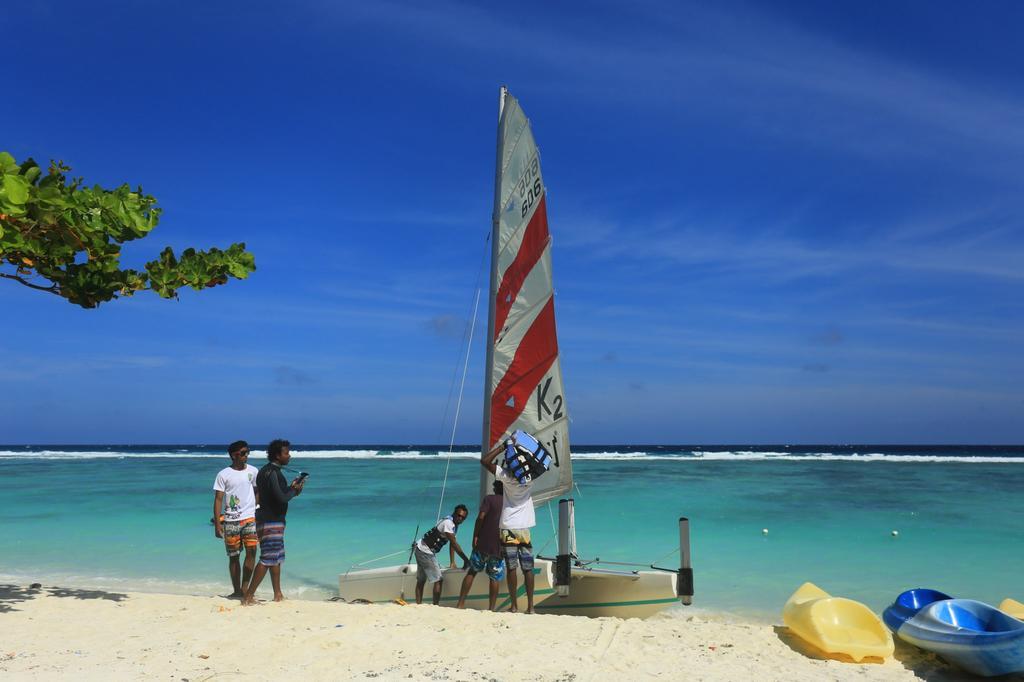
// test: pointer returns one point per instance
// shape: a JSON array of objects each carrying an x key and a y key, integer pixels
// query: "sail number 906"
[{"x": 530, "y": 187}]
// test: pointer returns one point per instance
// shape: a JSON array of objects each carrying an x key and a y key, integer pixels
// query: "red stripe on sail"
[
  {"x": 535, "y": 239},
  {"x": 534, "y": 357}
]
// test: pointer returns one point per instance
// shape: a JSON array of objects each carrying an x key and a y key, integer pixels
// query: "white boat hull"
[
  {"x": 592, "y": 593},
  {"x": 621, "y": 594}
]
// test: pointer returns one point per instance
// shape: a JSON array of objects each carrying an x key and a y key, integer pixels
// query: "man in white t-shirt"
[
  {"x": 234, "y": 514},
  {"x": 427, "y": 547},
  {"x": 517, "y": 518}
]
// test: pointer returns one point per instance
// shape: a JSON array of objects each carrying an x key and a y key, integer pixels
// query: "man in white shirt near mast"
[
  {"x": 234, "y": 514},
  {"x": 517, "y": 518}
]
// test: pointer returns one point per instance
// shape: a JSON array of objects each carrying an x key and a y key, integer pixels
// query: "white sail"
[{"x": 523, "y": 380}]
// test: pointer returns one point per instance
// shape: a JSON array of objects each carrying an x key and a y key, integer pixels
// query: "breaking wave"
[{"x": 591, "y": 454}]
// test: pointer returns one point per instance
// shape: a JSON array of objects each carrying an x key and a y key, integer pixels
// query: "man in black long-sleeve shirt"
[{"x": 274, "y": 493}]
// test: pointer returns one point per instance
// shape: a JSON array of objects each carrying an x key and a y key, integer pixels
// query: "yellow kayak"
[
  {"x": 840, "y": 628},
  {"x": 1013, "y": 608}
]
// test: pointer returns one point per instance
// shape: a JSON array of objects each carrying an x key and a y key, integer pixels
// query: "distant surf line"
[{"x": 432, "y": 455}]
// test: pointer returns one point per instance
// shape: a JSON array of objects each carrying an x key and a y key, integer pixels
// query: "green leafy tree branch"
[{"x": 63, "y": 238}]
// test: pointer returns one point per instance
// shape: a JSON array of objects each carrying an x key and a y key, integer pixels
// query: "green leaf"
[
  {"x": 16, "y": 189},
  {"x": 7, "y": 162}
]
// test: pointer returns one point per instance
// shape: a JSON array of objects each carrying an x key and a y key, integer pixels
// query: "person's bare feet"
[{"x": 278, "y": 597}]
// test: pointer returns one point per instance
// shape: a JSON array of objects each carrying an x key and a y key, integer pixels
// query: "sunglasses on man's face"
[{"x": 241, "y": 453}]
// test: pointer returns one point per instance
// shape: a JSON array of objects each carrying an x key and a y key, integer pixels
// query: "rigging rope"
[
  {"x": 370, "y": 561},
  {"x": 660, "y": 559},
  {"x": 458, "y": 405},
  {"x": 444, "y": 416},
  {"x": 541, "y": 550}
]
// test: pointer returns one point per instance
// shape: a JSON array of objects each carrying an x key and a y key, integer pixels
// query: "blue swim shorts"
[{"x": 493, "y": 566}]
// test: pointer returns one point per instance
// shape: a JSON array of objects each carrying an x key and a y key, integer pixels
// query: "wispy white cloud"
[
  {"x": 769, "y": 75},
  {"x": 777, "y": 255},
  {"x": 29, "y": 367}
]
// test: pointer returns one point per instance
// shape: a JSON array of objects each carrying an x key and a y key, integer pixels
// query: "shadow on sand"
[
  {"x": 15, "y": 594},
  {"x": 925, "y": 665}
]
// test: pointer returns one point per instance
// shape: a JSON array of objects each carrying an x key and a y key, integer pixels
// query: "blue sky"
[{"x": 776, "y": 222}]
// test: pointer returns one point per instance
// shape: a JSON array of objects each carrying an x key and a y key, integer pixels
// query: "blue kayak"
[
  {"x": 908, "y": 604},
  {"x": 970, "y": 634}
]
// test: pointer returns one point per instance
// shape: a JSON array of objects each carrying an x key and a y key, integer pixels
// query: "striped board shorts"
[
  {"x": 517, "y": 545},
  {"x": 271, "y": 536}
]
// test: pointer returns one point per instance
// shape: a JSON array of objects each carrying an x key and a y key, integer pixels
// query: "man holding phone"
[{"x": 274, "y": 492}]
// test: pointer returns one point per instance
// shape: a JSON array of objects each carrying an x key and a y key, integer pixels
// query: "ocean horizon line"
[
  {"x": 443, "y": 446},
  {"x": 957, "y": 454}
]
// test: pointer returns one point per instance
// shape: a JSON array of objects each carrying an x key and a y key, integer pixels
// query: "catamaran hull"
[
  {"x": 592, "y": 593},
  {"x": 619, "y": 594},
  {"x": 399, "y": 582}
]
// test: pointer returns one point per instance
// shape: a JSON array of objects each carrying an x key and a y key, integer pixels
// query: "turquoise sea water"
[{"x": 137, "y": 517}]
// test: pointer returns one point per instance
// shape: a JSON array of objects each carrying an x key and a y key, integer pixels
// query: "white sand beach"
[{"x": 52, "y": 633}]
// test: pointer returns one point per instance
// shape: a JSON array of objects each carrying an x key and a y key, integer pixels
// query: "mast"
[{"x": 495, "y": 226}]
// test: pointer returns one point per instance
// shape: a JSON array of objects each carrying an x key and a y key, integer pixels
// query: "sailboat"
[{"x": 523, "y": 390}]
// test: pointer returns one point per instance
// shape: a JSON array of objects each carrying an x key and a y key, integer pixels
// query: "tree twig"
[{"x": 53, "y": 289}]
